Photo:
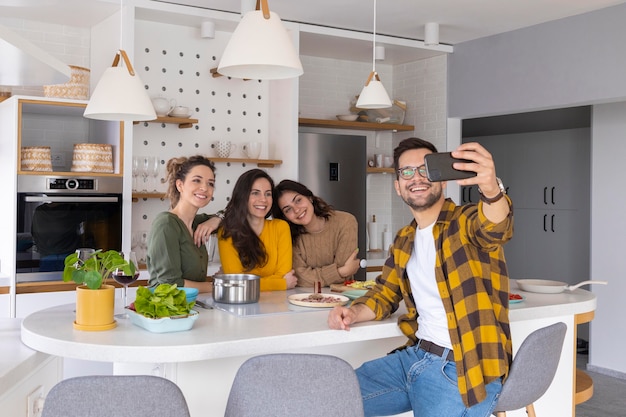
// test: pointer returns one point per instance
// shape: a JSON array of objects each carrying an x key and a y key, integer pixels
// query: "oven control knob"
[{"x": 71, "y": 184}]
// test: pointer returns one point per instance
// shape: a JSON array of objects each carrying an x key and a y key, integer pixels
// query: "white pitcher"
[
  {"x": 252, "y": 150},
  {"x": 163, "y": 106}
]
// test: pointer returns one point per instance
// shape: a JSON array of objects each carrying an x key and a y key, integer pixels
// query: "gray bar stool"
[{"x": 532, "y": 370}]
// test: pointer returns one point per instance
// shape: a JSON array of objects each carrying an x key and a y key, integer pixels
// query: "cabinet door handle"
[
  {"x": 545, "y": 217},
  {"x": 552, "y": 223},
  {"x": 545, "y": 198},
  {"x": 553, "y": 195}
]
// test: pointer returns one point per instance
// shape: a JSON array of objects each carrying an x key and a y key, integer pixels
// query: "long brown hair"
[
  {"x": 235, "y": 224},
  {"x": 177, "y": 169},
  {"x": 320, "y": 207}
]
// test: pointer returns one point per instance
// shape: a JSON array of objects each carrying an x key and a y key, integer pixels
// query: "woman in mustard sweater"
[{"x": 249, "y": 242}]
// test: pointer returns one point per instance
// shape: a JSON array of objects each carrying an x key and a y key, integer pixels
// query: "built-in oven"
[{"x": 56, "y": 216}]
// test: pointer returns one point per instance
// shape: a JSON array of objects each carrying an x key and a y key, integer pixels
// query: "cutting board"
[{"x": 340, "y": 288}]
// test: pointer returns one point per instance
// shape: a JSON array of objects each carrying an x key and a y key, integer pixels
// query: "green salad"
[{"x": 166, "y": 300}]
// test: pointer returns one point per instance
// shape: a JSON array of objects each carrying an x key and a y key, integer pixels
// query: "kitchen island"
[{"x": 203, "y": 361}]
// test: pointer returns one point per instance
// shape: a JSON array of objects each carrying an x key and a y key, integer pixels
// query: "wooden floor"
[{"x": 609, "y": 395}]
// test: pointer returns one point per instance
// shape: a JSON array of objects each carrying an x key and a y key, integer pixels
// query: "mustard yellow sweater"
[{"x": 277, "y": 240}]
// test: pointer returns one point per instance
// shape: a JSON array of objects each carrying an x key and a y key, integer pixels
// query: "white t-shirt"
[{"x": 431, "y": 320}]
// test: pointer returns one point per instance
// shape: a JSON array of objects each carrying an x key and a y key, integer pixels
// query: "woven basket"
[
  {"x": 36, "y": 158},
  {"x": 77, "y": 87},
  {"x": 92, "y": 157}
]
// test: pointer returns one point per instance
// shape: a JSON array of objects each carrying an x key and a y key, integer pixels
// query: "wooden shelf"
[
  {"x": 339, "y": 124},
  {"x": 261, "y": 163},
  {"x": 183, "y": 123},
  {"x": 584, "y": 387},
  {"x": 137, "y": 195},
  {"x": 371, "y": 170}
]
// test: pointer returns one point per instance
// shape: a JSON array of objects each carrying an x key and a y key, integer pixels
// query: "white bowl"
[{"x": 348, "y": 117}]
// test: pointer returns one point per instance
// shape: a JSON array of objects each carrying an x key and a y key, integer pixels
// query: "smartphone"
[{"x": 439, "y": 167}]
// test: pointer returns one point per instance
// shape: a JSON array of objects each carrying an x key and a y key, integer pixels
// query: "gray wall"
[
  {"x": 573, "y": 61},
  {"x": 570, "y": 62}
]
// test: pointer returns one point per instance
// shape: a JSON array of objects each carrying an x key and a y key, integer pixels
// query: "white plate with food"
[{"x": 318, "y": 300}]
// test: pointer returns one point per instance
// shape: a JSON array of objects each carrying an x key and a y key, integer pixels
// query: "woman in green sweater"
[
  {"x": 324, "y": 240},
  {"x": 176, "y": 250}
]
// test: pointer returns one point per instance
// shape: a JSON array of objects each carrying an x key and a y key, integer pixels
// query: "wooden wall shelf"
[
  {"x": 261, "y": 163},
  {"x": 183, "y": 123},
  {"x": 137, "y": 195},
  {"x": 339, "y": 124},
  {"x": 371, "y": 170}
]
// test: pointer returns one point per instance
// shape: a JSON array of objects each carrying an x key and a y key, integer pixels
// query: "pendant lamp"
[
  {"x": 260, "y": 48},
  {"x": 120, "y": 94},
  {"x": 373, "y": 95}
]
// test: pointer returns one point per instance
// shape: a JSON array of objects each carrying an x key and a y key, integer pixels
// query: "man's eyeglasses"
[{"x": 406, "y": 173}]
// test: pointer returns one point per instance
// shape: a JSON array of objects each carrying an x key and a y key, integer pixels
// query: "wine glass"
[
  {"x": 154, "y": 165},
  {"x": 135, "y": 171},
  {"x": 127, "y": 276},
  {"x": 144, "y": 166}
]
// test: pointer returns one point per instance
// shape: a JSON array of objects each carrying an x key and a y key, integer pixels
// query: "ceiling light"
[
  {"x": 207, "y": 29},
  {"x": 380, "y": 53},
  {"x": 260, "y": 48},
  {"x": 431, "y": 34},
  {"x": 120, "y": 94},
  {"x": 373, "y": 95}
]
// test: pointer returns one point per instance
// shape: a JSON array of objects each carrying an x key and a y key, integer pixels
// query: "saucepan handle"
[{"x": 573, "y": 287}]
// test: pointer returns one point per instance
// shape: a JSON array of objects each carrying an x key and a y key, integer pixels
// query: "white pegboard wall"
[{"x": 174, "y": 62}]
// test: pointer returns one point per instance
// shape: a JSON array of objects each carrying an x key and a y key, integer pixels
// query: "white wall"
[{"x": 608, "y": 229}]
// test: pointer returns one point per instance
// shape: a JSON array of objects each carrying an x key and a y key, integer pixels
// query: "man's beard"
[{"x": 430, "y": 201}]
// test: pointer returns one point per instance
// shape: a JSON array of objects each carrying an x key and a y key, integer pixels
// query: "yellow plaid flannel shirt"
[{"x": 473, "y": 283}]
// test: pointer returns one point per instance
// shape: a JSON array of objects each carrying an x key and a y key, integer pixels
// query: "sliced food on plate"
[{"x": 318, "y": 300}]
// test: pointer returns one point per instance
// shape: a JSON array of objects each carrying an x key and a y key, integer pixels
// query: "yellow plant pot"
[{"x": 94, "y": 308}]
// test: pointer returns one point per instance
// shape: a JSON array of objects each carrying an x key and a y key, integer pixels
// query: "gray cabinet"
[{"x": 547, "y": 175}]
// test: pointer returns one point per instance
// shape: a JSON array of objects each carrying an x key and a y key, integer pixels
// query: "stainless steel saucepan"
[{"x": 545, "y": 286}]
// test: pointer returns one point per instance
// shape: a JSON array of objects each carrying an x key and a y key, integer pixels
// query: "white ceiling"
[{"x": 459, "y": 20}]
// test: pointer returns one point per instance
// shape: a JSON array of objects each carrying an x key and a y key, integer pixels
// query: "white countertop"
[
  {"x": 218, "y": 334},
  {"x": 16, "y": 359}
]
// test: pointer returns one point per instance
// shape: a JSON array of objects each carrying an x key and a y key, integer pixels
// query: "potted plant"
[{"x": 95, "y": 299}]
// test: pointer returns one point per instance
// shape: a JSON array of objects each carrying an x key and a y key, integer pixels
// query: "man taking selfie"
[{"x": 448, "y": 267}]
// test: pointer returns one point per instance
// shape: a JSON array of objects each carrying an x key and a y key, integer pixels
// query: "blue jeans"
[{"x": 412, "y": 379}]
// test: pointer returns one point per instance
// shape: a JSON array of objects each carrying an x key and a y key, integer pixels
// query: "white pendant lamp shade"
[
  {"x": 120, "y": 96},
  {"x": 373, "y": 95},
  {"x": 260, "y": 48}
]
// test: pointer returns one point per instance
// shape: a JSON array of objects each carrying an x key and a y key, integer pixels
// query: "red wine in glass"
[
  {"x": 125, "y": 280},
  {"x": 119, "y": 277}
]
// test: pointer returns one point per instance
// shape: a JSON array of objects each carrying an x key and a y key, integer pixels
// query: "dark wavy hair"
[
  {"x": 235, "y": 224},
  {"x": 408, "y": 144},
  {"x": 177, "y": 169},
  {"x": 320, "y": 207}
]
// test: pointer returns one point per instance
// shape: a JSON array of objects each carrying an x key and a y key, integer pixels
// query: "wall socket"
[
  {"x": 58, "y": 160},
  {"x": 35, "y": 402}
]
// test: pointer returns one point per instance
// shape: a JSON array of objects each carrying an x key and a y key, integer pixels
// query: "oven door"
[{"x": 50, "y": 227}]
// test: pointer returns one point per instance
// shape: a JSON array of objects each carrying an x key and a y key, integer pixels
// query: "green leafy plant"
[
  {"x": 167, "y": 300},
  {"x": 96, "y": 269}
]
